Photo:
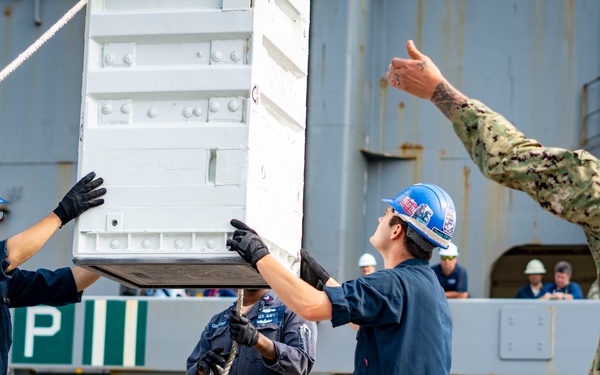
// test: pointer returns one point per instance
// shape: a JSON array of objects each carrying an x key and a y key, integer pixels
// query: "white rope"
[
  {"x": 234, "y": 346},
  {"x": 41, "y": 40}
]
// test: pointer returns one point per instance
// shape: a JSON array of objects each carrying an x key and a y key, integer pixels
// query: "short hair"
[
  {"x": 415, "y": 250},
  {"x": 563, "y": 267}
]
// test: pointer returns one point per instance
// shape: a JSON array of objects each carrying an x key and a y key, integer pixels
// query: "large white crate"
[{"x": 194, "y": 113}]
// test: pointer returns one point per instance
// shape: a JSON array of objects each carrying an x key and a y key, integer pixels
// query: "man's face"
[
  {"x": 561, "y": 279},
  {"x": 535, "y": 279},
  {"x": 448, "y": 263},
  {"x": 367, "y": 270},
  {"x": 381, "y": 237}
]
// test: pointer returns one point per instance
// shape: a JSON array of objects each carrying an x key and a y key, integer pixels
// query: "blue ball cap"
[
  {"x": 2, "y": 201},
  {"x": 429, "y": 210}
]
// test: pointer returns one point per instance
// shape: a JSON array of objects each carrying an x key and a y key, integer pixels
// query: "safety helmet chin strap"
[{"x": 419, "y": 239}]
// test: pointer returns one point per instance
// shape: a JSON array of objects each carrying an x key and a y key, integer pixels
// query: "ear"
[{"x": 397, "y": 232}]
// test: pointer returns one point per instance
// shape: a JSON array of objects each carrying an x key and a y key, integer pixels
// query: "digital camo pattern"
[{"x": 565, "y": 183}]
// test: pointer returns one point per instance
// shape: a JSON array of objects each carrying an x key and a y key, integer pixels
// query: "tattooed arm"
[
  {"x": 420, "y": 77},
  {"x": 564, "y": 182}
]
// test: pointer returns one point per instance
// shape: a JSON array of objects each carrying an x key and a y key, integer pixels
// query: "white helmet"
[
  {"x": 452, "y": 250},
  {"x": 366, "y": 260},
  {"x": 535, "y": 267}
]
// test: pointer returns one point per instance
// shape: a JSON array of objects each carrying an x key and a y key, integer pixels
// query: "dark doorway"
[{"x": 507, "y": 273}]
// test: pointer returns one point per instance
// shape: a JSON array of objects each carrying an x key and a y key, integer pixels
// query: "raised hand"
[
  {"x": 247, "y": 243},
  {"x": 80, "y": 198}
]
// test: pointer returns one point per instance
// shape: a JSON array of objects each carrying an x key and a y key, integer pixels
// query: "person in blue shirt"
[
  {"x": 20, "y": 288},
  {"x": 403, "y": 314},
  {"x": 452, "y": 276},
  {"x": 272, "y": 339},
  {"x": 562, "y": 288},
  {"x": 219, "y": 293},
  {"x": 535, "y": 272}
]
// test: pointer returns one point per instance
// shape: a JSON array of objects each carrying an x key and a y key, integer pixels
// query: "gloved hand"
[
  {"x": 311, "y": 271},
  {"x": 247, "y": 243},
  {"x": 209, "y": 361},
  {"x": 242, "y": 331},
  {"x": 80, "y": 198}
]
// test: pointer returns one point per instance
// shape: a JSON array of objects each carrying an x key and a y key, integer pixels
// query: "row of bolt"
[
  {"x": 147, "y": 244},
  {"x": 187, "y": 112},
  {"x": 216, "y": 56}
]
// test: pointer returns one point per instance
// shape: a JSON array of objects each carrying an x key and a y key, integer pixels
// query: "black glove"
[
  {"x": 242, "y": 331},
  {"x": 311, "y": 271},
  {"x": 247, "y": 243},
  {"x": 209, "y": 361},
  {"x": 80, "y": 198}
]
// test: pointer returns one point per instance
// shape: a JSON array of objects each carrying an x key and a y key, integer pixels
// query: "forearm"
[
  {"x": 266, "y": 348},
  {"x": 24, "y": 245},
  {"x": 303, "y": 299},
  {"x": 457, "y": 294},
  {"x": 563, "y": 182},
  {"x": 447, "y": 98},
  {"x": 83, "y": 278}
]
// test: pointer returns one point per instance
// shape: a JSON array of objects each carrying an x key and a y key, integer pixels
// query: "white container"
[{"x": 194, "y": 113}]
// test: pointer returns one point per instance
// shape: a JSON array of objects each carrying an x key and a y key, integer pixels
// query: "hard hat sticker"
[
  {"x": 423, "y": 214},
  {"x": 449, "y": 222},
  {"x": 409, "y": 206}
]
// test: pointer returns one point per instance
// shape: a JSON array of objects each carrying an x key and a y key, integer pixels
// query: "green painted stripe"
[
  {"x": 88, "y": 333},
  {"x": 140, "y": 346},
  {"x": 115, "y": 326}
]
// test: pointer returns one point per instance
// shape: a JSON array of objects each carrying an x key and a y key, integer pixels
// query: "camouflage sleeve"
[{"x": 565, "y": 183}]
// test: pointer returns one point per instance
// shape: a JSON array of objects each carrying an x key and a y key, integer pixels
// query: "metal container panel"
[{"x": 194, "y": 114}]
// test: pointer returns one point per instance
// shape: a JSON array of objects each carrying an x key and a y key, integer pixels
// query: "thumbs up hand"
[{"x": 417, "y": 75}]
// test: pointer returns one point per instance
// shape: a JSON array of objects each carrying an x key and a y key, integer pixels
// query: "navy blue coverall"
[
  {"x": 404, "y": 318},
  {"x": 20, "y": 288},
  {"x": 295, "y": 340}
]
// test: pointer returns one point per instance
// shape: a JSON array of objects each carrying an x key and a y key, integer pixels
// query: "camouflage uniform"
[
  {"x": 565, "y": 183},
  {"x": 594, "y": 292}
]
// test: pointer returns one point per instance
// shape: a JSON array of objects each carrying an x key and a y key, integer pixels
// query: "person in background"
[
  {"x": 452, "y": 276},
  {"x": 271, "y": 338},
  {"x": 219, "y": 293},
  {"x": 21, "y": 288},
  {"x": 535, "y": 273},
  {"x": 562, "y": 287},
  {"x": 367, "y": 264}
]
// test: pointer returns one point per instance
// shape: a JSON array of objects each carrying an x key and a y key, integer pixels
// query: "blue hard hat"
[{"x": 429, "y": 210}]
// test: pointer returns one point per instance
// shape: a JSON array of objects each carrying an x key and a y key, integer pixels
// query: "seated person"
[
  {"x": 535, "y": 272},
  {"x": 452, "y": 276},
  {"x": 562, "y": 287}
]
